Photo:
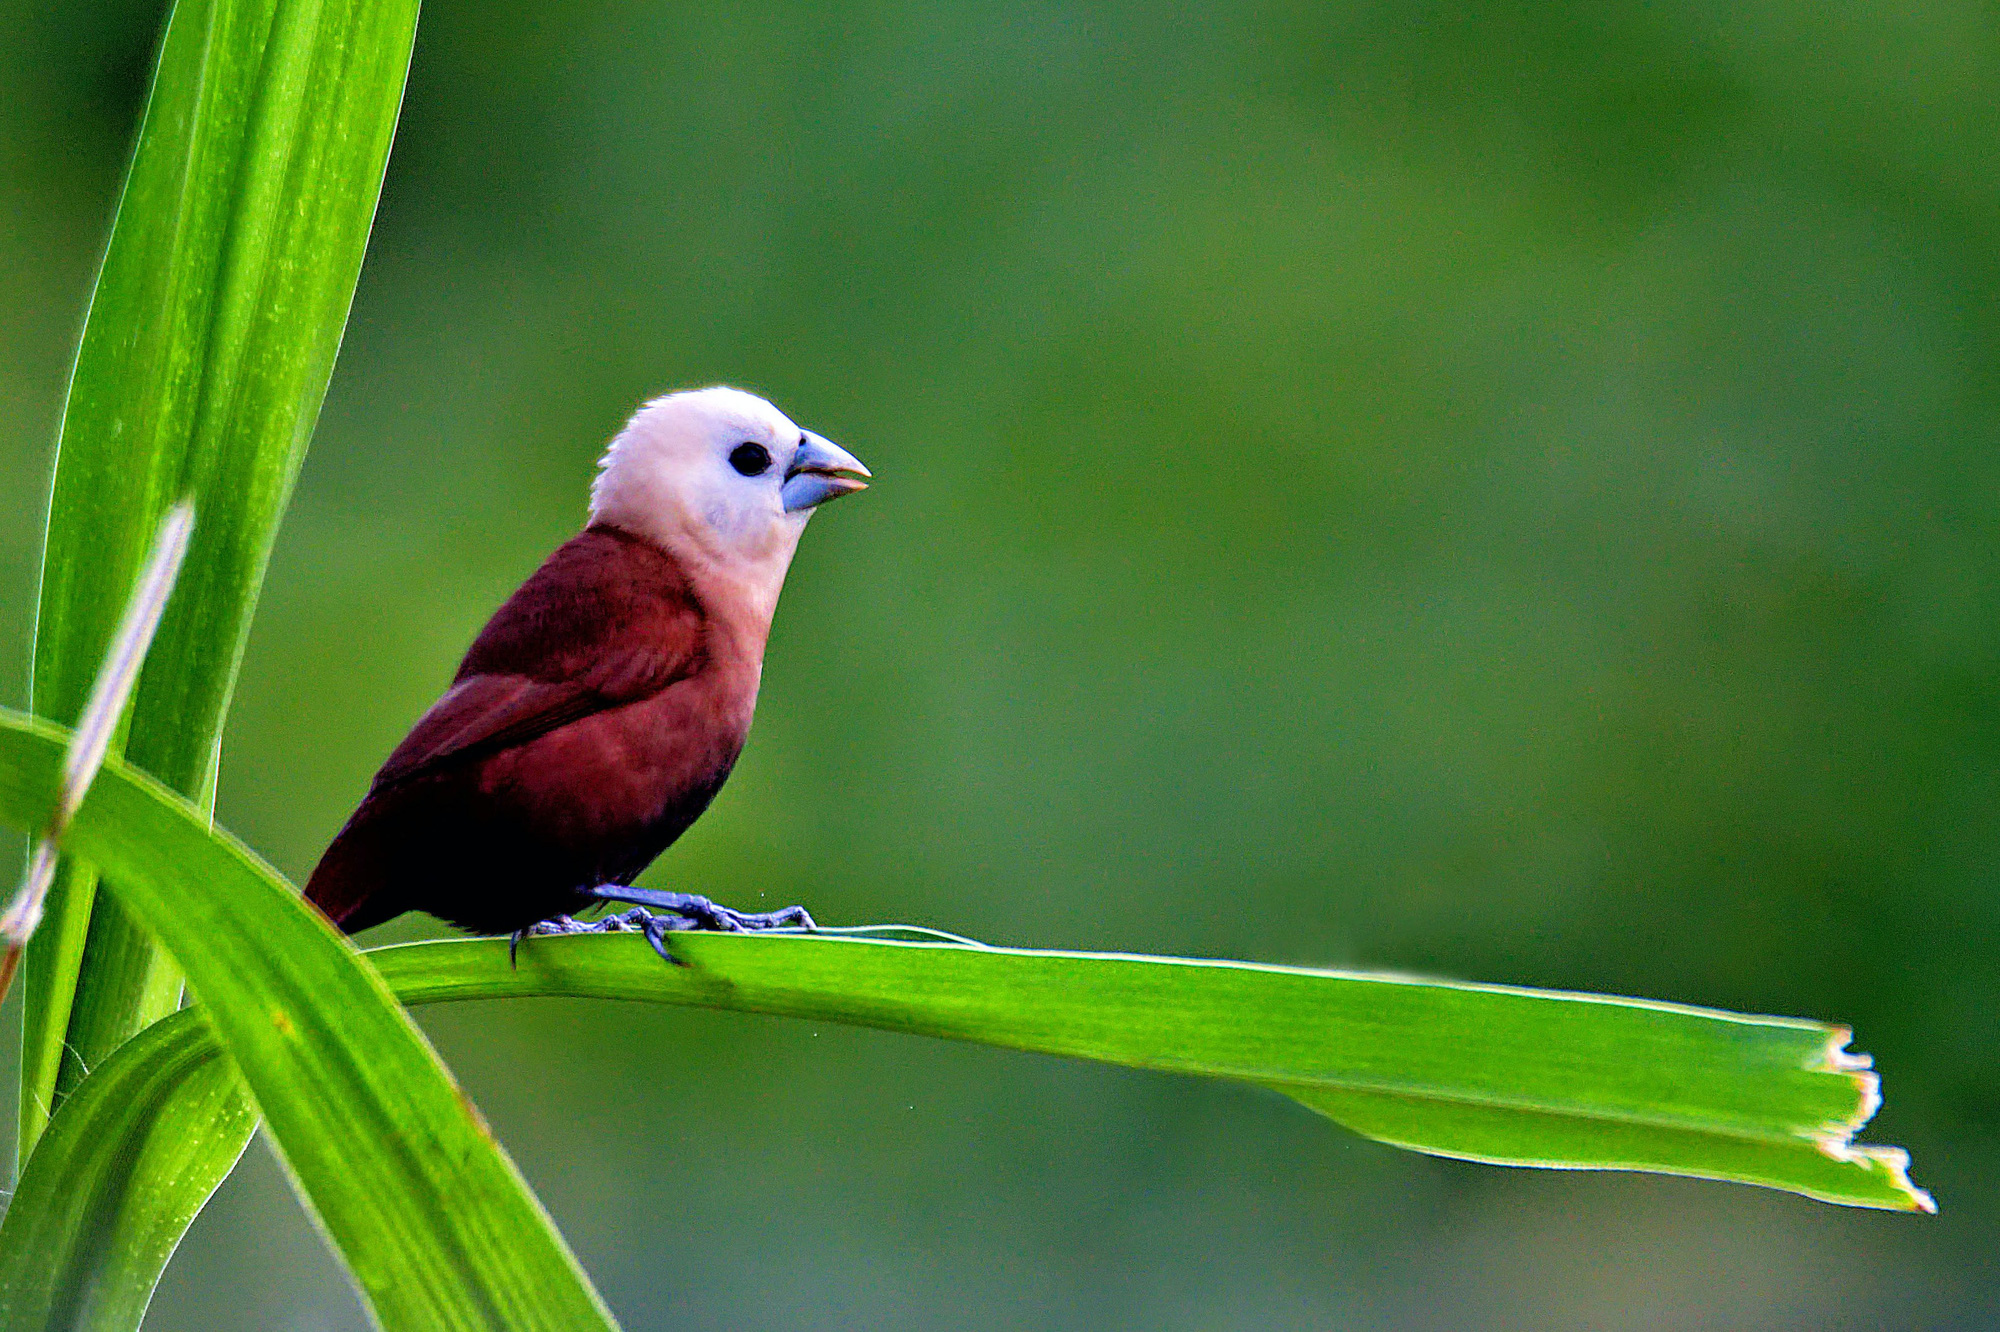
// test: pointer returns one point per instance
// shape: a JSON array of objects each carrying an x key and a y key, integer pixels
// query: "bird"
[{"x": 602, "y": 707}]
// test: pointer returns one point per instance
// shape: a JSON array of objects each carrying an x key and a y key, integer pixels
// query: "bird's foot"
[
  {"x": 699, "y": 913},
  {"x": 677, "y": 911},
  {"x": 637, "y": 920}
]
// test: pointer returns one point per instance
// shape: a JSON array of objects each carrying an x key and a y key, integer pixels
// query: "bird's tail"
[{"x": 347, "y": 883}]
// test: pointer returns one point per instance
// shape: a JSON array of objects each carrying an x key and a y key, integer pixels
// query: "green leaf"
[
  {"x": 433, "y": 1221},
  {"x": 1825, "y": 1165},
  {"x": 211, "y": 336},
  {"x": 1513, "y": 1076},
  {"x": 118, "y": 1178},
  {"x": 1510, "y": 1076},
  {"x": 1779, "y": 1098}
]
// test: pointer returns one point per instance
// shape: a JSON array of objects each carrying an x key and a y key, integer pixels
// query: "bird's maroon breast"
[{"x": 624, "y": 783}]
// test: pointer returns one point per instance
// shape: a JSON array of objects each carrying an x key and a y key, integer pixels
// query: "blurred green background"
[{"x": 1501, "y": 491}]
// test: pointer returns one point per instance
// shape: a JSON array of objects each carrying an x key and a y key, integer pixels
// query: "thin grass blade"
[{"x": 93, "y": 734}]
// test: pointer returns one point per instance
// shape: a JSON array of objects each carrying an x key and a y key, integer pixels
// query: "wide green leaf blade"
[
  {"x": 1150, "y": 1012},
  {"x": 211, "y": 336},
  {"x": 1510, "y": 1076},
  {"x": 432, "y": 1219},
  {"x": 118, "y": 1178},
  {"x": 1515, "y": 1076},
  {"x": 1825, "y": 1165},
  {"x": 1327, "y": 1031}
]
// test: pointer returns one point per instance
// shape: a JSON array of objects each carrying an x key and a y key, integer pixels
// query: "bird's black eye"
[{"x": 750, "y": 459}]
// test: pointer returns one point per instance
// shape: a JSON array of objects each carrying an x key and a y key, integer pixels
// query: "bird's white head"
[{"x": 724, "y": 482}]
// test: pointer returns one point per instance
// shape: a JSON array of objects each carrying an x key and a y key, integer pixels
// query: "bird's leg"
[{"x": 701, "y": 914}]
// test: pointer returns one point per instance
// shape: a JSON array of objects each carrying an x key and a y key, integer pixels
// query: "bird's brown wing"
[
  {"x": 484, "y": 714},
  {"x": 606, "y": 621}
]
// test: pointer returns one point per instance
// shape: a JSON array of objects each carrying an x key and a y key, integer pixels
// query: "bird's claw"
[
  {"x": 690, "y": 911},
  {"x": 638, "y": 919},
  {"x": 702, "y": 914},
  {"x": 685, "y": 911},
  {"x": 554, "y": 925}
]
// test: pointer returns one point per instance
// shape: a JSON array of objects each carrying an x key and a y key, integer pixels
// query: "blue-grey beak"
[{"x": 816, "y": 474}]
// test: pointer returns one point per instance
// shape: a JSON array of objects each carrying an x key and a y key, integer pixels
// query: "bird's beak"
[{"x": 816, "y": 474}]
